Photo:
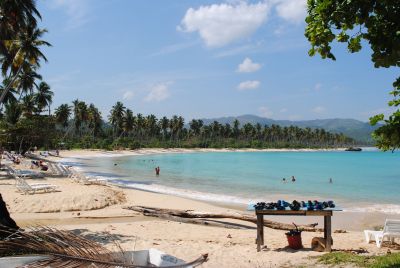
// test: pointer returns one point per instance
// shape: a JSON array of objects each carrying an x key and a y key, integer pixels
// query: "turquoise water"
[{"x": 361, "y": 180}]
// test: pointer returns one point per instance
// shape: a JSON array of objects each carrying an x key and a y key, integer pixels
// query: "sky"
[{"x": 204, "y": 59}]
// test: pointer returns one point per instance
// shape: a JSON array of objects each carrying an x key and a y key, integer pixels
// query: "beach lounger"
[
  {"x": 26, "y": 188},
  {"x": 24, "y": 173},
  {"x": 391, "y": 230},
  {"x": 82, "y": 178}
]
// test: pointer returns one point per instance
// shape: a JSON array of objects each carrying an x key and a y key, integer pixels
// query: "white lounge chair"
[
  {"x": 26, "y": 188},
  {"x": 82, "y": 178},
  {"x": 24, "y": 173},
  {"x": 391, "y": 230}
]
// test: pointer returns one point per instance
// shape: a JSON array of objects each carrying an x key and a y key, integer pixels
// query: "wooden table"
[{"x": 327, "y": 223}]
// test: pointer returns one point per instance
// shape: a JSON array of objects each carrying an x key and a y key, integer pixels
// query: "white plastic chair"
[{"x": 391, "y": 230}]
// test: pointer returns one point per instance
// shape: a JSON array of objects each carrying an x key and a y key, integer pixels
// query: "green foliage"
[
  {"x": 376, "y": 22},
  {"x": 340, "y": 258}
]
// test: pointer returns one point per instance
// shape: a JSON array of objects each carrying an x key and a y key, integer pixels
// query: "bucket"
[{"x": 294, "y": 241}]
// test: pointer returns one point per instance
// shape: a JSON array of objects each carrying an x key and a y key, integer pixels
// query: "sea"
[{"x": 360, "y": 181}]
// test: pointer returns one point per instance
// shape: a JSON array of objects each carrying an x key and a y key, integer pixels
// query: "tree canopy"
[{"x": 376, "y": 22}]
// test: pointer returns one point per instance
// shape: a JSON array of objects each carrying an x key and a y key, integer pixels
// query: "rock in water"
[{"x": 6, "y": 222}]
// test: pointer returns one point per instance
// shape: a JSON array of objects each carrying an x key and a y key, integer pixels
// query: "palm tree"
[
  {"x": 80, "y": 114},
  {"x": 10, "y": 96},
  {"x": 44, "y": 96},
  {"x": 94, "y": 119},
  {"x": 15, "y": 16},
  {"x": 129, "y": 121},
  {"x": 116, "y": 117},
  {"x": 24, "y": 49},
  {"x": 164, "y": 124},
  {"x": 62, "y": 113},
  {"x": 26, "y": 79},
  {"x": 29, "y": 105},
  {"x": 12, "y": 112}
]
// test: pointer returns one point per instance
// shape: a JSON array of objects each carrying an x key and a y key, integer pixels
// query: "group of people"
[
  {"x": 39, "y": 164},
  {"x": 293, "y": 179}
]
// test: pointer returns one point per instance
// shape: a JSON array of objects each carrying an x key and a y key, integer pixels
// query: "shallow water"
[{"x": 368, "y": 180}]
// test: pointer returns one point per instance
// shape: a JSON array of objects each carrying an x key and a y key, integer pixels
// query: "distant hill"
[{"x": 361, "y": 131}]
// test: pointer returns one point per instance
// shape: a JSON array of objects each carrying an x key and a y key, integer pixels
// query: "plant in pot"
[{"x": 294, "y": 238}]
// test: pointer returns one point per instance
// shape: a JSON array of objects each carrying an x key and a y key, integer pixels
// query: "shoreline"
[
  {"x": 225, "y": 200},
  {"x": 97, "y": 211}
]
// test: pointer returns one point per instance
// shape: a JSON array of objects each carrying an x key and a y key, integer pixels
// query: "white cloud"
[
  {"x": 265, "y": 111},
  {"x": 128, "y": 95},
  {"x": 292, "y": 10},
  {"x": 248, "y": 66},
  {"x": 317, "y": 87},
  {"x": 221, "y": 24},
  {"x": 76, "y": 10},
  {"x": 158, "y": 92},
  {"x": 283, "y": 110},
  {"x": 248, "y": 85},
  {"x": 319, "y": 109}
]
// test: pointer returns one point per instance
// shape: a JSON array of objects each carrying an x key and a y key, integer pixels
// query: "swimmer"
[
  {"x": 293, "y": 179},
  {"x": 330, "y": 180}
]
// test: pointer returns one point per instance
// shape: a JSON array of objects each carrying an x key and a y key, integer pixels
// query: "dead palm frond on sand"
[{"x": 65, "y": 249}]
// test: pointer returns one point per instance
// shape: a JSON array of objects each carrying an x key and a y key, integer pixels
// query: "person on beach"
[
  {"x": 293, "y": 179},
  {"x": 157, "y": 171}
]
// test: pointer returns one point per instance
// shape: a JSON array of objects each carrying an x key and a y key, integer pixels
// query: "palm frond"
[{"x": 65, "y": 249}]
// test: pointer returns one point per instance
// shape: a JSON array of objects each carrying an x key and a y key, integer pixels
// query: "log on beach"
[{"x": 180, "y": 215}]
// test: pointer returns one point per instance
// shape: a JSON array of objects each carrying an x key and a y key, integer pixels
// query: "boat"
[
  {"x": 151, "y": 258},
  {"x": 353, "y": 149}
]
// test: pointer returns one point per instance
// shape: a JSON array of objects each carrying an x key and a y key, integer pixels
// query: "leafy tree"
[{"x": 377, "y": 22}]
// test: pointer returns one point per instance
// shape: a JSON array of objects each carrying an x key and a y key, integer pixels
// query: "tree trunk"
[{"x": 3, "y": 95}]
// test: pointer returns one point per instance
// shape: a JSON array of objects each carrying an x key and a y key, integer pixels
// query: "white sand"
[{"x": 97, "y": 210}]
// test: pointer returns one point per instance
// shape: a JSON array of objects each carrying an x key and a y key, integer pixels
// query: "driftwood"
[{"x": 180, "y": 215}]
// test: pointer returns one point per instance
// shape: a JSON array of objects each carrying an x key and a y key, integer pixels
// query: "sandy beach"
[{"x": 97, "y": 211}]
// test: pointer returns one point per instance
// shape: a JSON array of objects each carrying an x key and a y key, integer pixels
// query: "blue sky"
[{"x": 203, "y": 59}]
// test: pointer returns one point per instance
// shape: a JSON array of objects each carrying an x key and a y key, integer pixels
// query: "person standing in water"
[
  {"x": 330, "y": 180},
  {"x": 157, "y": 171},
  {"x": 293, "y": 179}
]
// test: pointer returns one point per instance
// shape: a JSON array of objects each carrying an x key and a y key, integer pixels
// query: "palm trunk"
[{"x": 3, "y": 95}]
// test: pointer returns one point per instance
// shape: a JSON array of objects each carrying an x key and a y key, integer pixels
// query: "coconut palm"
[
  {"x": 129, "y": 121},
  {"x": 15, "y": 15},
  {"x": 10, "y": 96},
  {"x": 44, "y": 96},
  {"x": 94, "y": 119},
  {"x": 62, "y": 113},
  {"x": 26, "y": 80},
  {"x": 116, "y": 117},
  {"x": 25, "y": 49},
  {"x": 29, "y": 105},
  {"x": 12, "y": 112}
]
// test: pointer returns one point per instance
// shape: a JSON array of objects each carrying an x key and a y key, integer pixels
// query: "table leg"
[
  {"x": 260, "y": 232},
  {"x": 328, "y": 233}
]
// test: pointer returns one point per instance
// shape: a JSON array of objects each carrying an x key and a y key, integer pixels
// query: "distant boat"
[{"x": 353, "y": 149}]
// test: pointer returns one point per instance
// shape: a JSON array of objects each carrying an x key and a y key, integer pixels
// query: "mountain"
[{"x": 361, "y": 131}]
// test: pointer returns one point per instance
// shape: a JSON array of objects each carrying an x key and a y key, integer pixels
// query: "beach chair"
[
  {"x": 23, "y": 173},
  {"x": 26, "y": 188},
  {"x": 82, "y": 178},
  {"x": 391, "y": 230}
]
